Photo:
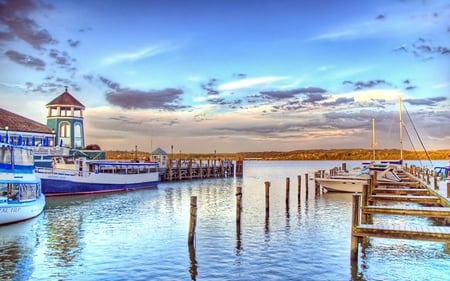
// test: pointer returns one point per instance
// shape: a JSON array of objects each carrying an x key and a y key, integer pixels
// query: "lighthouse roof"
[{"x": 66, "y": 99}]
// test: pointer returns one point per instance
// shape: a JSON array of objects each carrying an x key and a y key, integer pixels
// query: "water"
[{"x": 142, "y": 235}]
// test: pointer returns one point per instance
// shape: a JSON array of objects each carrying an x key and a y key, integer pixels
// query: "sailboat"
[{"x": 354, "y": 183}]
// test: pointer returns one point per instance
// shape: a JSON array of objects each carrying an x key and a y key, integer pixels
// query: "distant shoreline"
[{"x": 307, "y": 154}]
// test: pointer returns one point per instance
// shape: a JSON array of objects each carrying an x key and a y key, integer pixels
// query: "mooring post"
[
  {"x": 306, "y": 186},
  {"x": 436, "y": 185},
  {"x": 373, "y": 180},
  {"x": 448, "y": 189},
  {"x": 238, "y": 204},
  {"x": 364, "y": 217},
  {"x": 193, "y": 220},
  {"x": 267, "y": 185},
  {"x": 288, "y": 183},
  {"x": 316, "y": 183},
  {"x": 169, "y": 166},
  {"x": 355, "y": 222},
  {"x": 299, "y": 182}
]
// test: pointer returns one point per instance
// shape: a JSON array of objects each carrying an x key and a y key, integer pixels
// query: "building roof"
[
  {"x": 159, "y": 151},
  {"x": 66, "y": 99},
  {"x": 16, "y": 122}
]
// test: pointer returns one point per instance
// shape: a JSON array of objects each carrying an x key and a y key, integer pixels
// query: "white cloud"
[
  {"x": 249, "y": 82},
  {"x": 140, "y": 54}
]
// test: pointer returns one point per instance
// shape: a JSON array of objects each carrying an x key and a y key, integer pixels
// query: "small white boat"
[
  {"x": 349, "y": 183},
  {"x": 342, "y": 185},
  {"x": 70, "y": 176},
  {"x": 21, "y": 197}
]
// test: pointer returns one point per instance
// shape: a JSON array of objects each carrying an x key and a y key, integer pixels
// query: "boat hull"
[
  {"x": 342, "y": 185},
  {"x": 72, "y": 185},
  {"x": 16, "y": 212}
]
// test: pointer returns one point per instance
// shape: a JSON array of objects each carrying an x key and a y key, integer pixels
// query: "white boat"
[
  {"x": 21, "y": 197},
  {"x": 354, "y": 183},
  {"x": 71, "y": 176},
  {"x": 342, "y": 185}
]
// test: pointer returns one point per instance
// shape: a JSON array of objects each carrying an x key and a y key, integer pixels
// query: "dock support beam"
[{"x": 355, "y": 223}]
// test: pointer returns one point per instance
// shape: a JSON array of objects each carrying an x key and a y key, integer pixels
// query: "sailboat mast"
[
  {"x": 373, "y": 139},
  {"x": 401, "y": 127}
]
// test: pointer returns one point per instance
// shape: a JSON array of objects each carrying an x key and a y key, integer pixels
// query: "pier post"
[
  {"x": 170, "y": 170},
  {"x": 299, "y": 186},
  {"x": 288, "y": 183},
  {"x": 317, "y": 185},
  {"x": 436, "y": 185},
  {"x": 373, "y": 180},
  {"x": 448, "y": 189},
  {"x": 238, "y": 204},
  {"x": 238, "y": 216},
  {"x": 192, "y": 220},
  {"x": 306, "y": 186},
  {"x": 355, "y": 222},
  {"x": 267, "y": 186},
  {"x": 200, "y": 170},
  {"x": 365, "y": 196},
  {"x": 208, "y": 173}
]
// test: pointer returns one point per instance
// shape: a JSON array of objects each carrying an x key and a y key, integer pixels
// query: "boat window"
[
  {"x": 10, "y": 190},
  {"x": 27, "y": 192},
  {"x": 5, "y": 155}
]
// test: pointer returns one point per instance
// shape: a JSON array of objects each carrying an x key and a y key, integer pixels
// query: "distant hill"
[
  {"x": 310, "y": 154},
  {"x": 346, "y": 154}
]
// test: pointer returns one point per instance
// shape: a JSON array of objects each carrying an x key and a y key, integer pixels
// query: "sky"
[{"x": 234, "y": 76}]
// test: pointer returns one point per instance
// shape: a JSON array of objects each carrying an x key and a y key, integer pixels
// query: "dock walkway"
[{"x": 411, "y": 197}]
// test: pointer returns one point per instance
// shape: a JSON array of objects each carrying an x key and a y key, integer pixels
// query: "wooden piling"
[
  {"x": 193, "y": 220},
  {"x": 299, "y": 186},
  {"x": 267, "y": 185},
  {"x": 288, "y": 183},
  {"x": 436, "y": 185},
  {"x": 306, "y": 186},
  {"x": 238, "y": 204},
  {"x": 355, "y": 222},
  {"x": 448, "y": 189},
  {"x": 316, "y": 183},
  {"x": 365, "y": 218}
]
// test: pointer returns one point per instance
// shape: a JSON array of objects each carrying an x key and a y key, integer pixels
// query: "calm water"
[{"x": 142, "y": 235}]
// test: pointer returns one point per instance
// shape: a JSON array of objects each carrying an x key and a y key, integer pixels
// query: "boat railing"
[{"x": 58, "y": 172}]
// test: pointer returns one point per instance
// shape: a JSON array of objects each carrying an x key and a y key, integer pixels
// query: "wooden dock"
[
  {"x": 191, "y": 169},
  {"x": 411, "y": 197}
]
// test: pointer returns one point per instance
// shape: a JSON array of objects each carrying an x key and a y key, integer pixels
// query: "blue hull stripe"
[{"x": 51, "y": 187}]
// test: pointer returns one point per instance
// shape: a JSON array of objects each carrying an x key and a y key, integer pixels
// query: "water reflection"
[
  {"x": 64, "y": 236},
  {"x": 143, "y": 234},
  {"x": 193, "y": 268},
  {"x": 17, "y": 247}
]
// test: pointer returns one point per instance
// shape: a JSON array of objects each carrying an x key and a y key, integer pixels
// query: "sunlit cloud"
[{"x": 249, "y": 83}]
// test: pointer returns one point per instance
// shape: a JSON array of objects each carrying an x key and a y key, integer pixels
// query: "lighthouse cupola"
[{"x": 65, "y": 119}]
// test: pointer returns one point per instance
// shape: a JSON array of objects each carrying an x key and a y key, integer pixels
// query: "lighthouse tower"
[{"x": 65, "y": 119}]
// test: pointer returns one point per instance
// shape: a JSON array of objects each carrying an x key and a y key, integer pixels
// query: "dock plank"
[
  {"x": 401, "y": 191},
  {"x": 425, "y": 199},
  {"x": 426, "y": 233},
  {"x": 438, "y": 212}
]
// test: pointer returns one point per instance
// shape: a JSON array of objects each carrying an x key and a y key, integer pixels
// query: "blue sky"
[{"x": 233, "y": 75}]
